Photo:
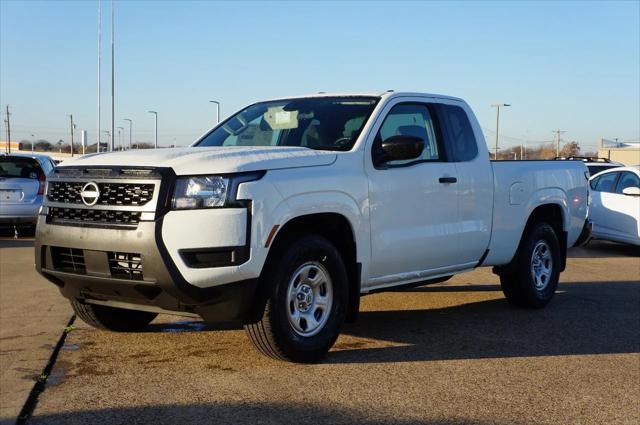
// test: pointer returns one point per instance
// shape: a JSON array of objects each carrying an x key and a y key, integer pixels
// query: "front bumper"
[
  {"x": 161, "y": 286},
  {"x": 166, "y": 261}
]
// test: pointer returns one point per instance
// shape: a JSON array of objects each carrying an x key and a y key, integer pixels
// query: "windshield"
[{"x": 323, "y": 123}]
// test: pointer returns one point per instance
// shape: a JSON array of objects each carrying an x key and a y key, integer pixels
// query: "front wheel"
[
  {"x": 306, "y": 302},
  {"x": 532, "y": 277}
]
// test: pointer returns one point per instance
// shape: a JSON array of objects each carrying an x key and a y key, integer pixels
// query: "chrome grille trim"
[{"x": 142, "y": 209}]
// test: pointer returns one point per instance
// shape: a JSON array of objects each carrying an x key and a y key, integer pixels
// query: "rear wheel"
[
  {"x": 306, "y": 302},
  {"x": 112, "y": 318},
  {"x": 531, "y": 279}
]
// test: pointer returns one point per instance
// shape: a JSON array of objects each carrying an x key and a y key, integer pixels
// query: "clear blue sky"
[{"x": 569, "y": 65}]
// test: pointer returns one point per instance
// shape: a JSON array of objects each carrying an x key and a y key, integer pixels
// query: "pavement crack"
[{"x": 39, "y": 386}]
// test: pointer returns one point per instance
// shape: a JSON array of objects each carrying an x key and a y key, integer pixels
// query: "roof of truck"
[{"x": 387, "y": 94}]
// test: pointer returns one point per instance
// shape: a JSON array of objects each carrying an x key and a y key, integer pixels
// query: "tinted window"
[
  {"x": 20, "y": 167},
  {"x": 606, "y": 182},
  {"x": 47, "y": 166},
  {"x": 595, "y": 169},
  {"x": 627, "y": 180},
  {"x": 323, "y": 123},
  {"x": 409, "y": 120},
  {"x": 462, "y": 141}
]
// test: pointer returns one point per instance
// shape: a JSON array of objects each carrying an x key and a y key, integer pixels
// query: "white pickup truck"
[{"x": 283, "y": 215}]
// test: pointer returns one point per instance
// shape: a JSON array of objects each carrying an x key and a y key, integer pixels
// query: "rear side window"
[
  {"x": 19, "y": 167},
  {"x": 627, "y": 180},
  {"x": 461, "y": 140},
  {"x": 47, "y": 166},
  {"x": 605, "y": 183}
]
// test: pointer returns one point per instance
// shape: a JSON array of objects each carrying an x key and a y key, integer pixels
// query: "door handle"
[{"x": 448, "y": 180}]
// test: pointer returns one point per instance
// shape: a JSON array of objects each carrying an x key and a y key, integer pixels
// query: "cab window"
[{"x": 409, "y": 120}]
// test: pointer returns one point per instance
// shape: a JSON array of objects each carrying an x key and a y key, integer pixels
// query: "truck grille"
[
  {"x": 125, "y": 265},
  {"x": 68, "y": 260},
  {"x": 90, "y": 216},
  {"x": 113, "y": 194}
]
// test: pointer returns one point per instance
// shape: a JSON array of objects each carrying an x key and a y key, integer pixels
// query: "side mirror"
[
  {"x": 631, "y": 191},
  {"x": 400, "y": 148}
]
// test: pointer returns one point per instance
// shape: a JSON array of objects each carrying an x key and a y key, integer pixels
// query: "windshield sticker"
[{"x": 279, "y": 119}]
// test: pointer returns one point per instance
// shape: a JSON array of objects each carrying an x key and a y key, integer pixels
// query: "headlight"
[{"x": 200, "y": 192}]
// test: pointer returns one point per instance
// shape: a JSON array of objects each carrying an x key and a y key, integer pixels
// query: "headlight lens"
[{"x": 200, "y": 192}]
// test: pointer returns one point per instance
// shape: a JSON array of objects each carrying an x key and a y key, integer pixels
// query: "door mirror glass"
[
  {"x": 396, "y": 148},
  {"x": 631, "y": 191}
]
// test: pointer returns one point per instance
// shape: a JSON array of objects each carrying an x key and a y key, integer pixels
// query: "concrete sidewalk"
[{"x": 32, "y": 318}]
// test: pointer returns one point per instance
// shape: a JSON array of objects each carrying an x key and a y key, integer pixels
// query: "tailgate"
[{"x": 18, "y": 190}]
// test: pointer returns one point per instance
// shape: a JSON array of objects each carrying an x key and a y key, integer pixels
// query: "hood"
[{"x": 213, "y": 160}]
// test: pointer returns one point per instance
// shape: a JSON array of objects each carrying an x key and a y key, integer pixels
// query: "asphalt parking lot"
[{"x": 444, "y": 354}]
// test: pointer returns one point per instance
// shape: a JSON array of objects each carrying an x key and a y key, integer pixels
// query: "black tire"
[
  {"x": 517, "y": 279},
  {"x": 112, "y": 318},
  {"x": 272, "y": 334}
]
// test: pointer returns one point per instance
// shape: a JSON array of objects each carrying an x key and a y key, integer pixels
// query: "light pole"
[
  {"x": 113, "y": 78},
  {"x": 130, "y": 130},
  {"x": 217, "y": 110},
  {"x": 120, "y": 130},
  {"x": 155, "y": 144},
  {"x": 498, "y": 106},
  {"x": 73, "y": 126},
  {"x": 108, "y": 133}
]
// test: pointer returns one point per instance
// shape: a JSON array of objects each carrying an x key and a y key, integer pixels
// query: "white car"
[
  {"x": 614, "y": 206},
  {"x": 594, "y": 165},
  {"x": 22, "y": 183},
  {"x": 288, "y": 211}
]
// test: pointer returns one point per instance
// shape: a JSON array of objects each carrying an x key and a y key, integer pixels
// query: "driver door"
[{"x": 413, "y": 203}]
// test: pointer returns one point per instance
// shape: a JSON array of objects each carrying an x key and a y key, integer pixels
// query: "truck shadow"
[
  {"x": 583, "y": 318},
  {"x": 604, "y": 249},
  {"x": 226, "y": 413}
]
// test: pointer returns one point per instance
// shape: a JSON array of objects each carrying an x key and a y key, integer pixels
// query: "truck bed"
[{"x": 519, "y": 186}]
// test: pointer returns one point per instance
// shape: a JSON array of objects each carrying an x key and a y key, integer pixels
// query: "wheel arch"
[
  {"x": 334, "y": 227},
  {"x": 553, "y": 214}
]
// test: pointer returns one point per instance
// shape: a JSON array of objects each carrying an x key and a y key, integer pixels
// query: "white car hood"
[{"x": 214, "y": 160}]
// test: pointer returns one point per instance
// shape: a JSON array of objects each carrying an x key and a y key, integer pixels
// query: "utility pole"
[
  {"x": 558, "y": 133},
  {"x": 8, "y": 121},
  {"x": 113, "y": 79},
  {"x": 498, "y": 106},
  {"x": 71, "y": 117},
  {"x": 99, "y": 66},
  {"x": 521, "y": 150}
]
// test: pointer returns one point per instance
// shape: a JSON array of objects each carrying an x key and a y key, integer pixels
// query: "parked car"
[
  {"x": 22, "y": 185},
  {"x": 288, "y": 211},
  {"x": 593, "y": 164},
  {"x": 614, "y": 205}
]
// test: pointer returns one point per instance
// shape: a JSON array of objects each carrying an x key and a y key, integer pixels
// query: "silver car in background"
[{"x": 22, "y": 185}]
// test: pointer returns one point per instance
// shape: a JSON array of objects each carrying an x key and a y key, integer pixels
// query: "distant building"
[
  {"x": 15, "y": 146},
  {"x": 627, "y": 153}
]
